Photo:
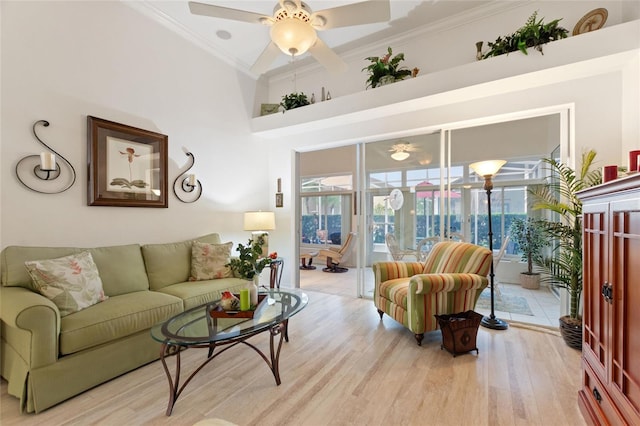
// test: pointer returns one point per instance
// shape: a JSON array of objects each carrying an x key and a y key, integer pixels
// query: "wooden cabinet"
[{"x": 610, "y": 391}]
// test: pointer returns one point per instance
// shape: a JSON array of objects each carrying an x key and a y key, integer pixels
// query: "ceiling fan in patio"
[
  {"x": 400, "y": 151},
  {"x": 294, "y": 25}
]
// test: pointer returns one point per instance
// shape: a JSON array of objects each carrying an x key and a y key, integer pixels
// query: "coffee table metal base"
[{"x": 277, "y": 332}]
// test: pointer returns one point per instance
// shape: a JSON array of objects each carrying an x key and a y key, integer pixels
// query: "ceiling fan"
[
  {"x": 294, "y": 24},
  {"x": 400, "y": 151}
]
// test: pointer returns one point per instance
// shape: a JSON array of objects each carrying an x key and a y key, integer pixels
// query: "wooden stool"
[{"x": 306, "y": 260}]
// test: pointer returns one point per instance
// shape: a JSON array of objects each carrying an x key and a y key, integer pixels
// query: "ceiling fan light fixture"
[
  {"x": 293, "y": 36},
  {"x": 400, "y": 155}
]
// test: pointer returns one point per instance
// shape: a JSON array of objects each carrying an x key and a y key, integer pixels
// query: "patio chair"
[
  {"x": 424, "y": 247},
  {"x": 334, "y": 255},
  {"x": 395, "y": 251},
  {"x": 496, "y": 261}
]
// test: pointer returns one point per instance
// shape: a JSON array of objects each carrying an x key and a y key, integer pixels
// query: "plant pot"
[
  {"x": 571, "y": 331},
  {"x": 387, "y": 79},
  {"x": 530, "y": 281}
]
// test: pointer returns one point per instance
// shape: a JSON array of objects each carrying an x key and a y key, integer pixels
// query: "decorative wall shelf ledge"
[{"x": 589, "y": 54}]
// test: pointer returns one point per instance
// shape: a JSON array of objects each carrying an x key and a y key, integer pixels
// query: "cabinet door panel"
[
  {"x": 625, "y": 367},
  {"x": 596, "y": 308}
]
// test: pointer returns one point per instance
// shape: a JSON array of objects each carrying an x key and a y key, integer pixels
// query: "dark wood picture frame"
[{"x": 127, "y": 166}]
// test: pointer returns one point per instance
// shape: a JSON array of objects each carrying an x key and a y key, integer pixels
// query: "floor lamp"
[{"x": 488, "y": 169}]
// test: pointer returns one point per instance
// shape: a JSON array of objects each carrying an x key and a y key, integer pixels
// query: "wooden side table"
[{"x": 276, "y": 266}]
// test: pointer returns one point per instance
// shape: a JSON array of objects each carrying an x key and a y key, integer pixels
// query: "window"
[{"x": 325, "y": 210}]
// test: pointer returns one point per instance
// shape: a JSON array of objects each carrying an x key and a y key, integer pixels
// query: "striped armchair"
[{"x": 449, "y": 281}]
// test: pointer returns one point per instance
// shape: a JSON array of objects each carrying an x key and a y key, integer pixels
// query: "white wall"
[{"x": 62, "y": 61}]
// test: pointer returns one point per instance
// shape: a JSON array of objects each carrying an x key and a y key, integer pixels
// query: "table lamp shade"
[{"x": 259, "y": 221}]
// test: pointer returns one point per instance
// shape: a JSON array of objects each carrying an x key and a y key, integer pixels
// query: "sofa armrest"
[
  {"x": 31, "y": 325},
  {"x": 385, "y": 271}
]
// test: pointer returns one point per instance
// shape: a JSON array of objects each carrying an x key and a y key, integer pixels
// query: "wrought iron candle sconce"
[
  {"x": 43, "y": 170},
  {"x": 188, "y": 184}
]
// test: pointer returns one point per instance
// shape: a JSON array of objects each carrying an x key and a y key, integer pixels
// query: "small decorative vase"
[
  {"x": 253, "y": 290},
  {"x": 479, "y": 50}
]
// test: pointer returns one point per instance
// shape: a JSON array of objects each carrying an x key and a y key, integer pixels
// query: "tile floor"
[{"x": 544, "y": 304}]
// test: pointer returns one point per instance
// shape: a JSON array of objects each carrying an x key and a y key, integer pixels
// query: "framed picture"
[
  {"x": 279, "y": 199},
  {"x": 127, "y": 165}
]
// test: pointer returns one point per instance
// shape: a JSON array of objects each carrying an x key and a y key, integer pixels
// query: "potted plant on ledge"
[
  {"x": 564, "y": 263},
  {"x": 294, "y": 100},
  {"x": 534, "y": 34},
  {"x": 529, "y": 237}
]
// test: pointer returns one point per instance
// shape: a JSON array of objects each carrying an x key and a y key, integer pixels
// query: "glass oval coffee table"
[{"x": 200, "y": 328}]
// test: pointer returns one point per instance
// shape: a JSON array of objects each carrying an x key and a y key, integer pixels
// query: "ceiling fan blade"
[
  {"x": 366, "y": 12},
  {"x": 327, "y": 57},
  {"x": 266, "y": 58},
  {"x": 227, "y": 13}
]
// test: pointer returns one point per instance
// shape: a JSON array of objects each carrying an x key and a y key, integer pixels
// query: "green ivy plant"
[
  {"x": 534, "y": 34},
  {"x": 250, "y": 261},
  {"x": 294, "y": 100}
]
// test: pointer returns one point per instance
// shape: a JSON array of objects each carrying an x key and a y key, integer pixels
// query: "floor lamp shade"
[{"x": 260, "y": 222}]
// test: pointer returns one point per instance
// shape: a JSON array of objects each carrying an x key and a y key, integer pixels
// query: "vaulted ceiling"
[{"x": 241, "y": 43}]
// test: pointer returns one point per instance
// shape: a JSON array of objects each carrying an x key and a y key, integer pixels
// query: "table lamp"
[{"x": 260, "y": 222}]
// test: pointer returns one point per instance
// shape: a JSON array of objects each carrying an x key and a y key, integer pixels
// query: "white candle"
[
  {"x": 47, "y": 161},
  {"x": 192, "y": 180}
]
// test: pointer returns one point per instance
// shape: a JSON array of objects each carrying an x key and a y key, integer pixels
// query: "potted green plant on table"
[
  {"x": 529, "y": 236},
  {"x": 249, "y": 263},
  {"x": 563, "y": 265},
  {"x": 534, "y": 34},
  {"x": 386, "y": 69},
  {"x": 294, "y": 100}
]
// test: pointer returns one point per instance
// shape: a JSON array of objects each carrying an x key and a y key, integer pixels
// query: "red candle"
[
  {"x": 633, "y": 161},
  {"x": 609, "y": 173}
]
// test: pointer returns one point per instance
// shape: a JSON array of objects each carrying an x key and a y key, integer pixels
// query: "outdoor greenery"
[
  {"x": 534, "y": 34},
  {"x": 249, "y": 263},
  {"x": 564, "y": 263},
  {"x": 530, "y": 239},
  {"x": 387, "y": 69},
  {"x": 294, "y": 100},
  {"x": 334, "y": 222}
]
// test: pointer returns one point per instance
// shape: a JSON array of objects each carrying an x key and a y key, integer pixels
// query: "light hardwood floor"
[{"x": 343, "y": 366}]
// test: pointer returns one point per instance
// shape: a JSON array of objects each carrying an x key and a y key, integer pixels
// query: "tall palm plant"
[{"x": 563, "y": 265}]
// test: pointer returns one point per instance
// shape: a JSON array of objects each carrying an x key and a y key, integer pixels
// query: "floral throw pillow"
[
  {"x": 208, "y": 261},
  {"x": 71, "y": 282}
]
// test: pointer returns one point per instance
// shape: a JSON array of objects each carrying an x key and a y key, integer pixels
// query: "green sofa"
[{"x": 47, "y": 359}]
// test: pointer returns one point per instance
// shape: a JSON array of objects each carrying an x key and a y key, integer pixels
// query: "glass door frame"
[{"x": 360, "y": 211}]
